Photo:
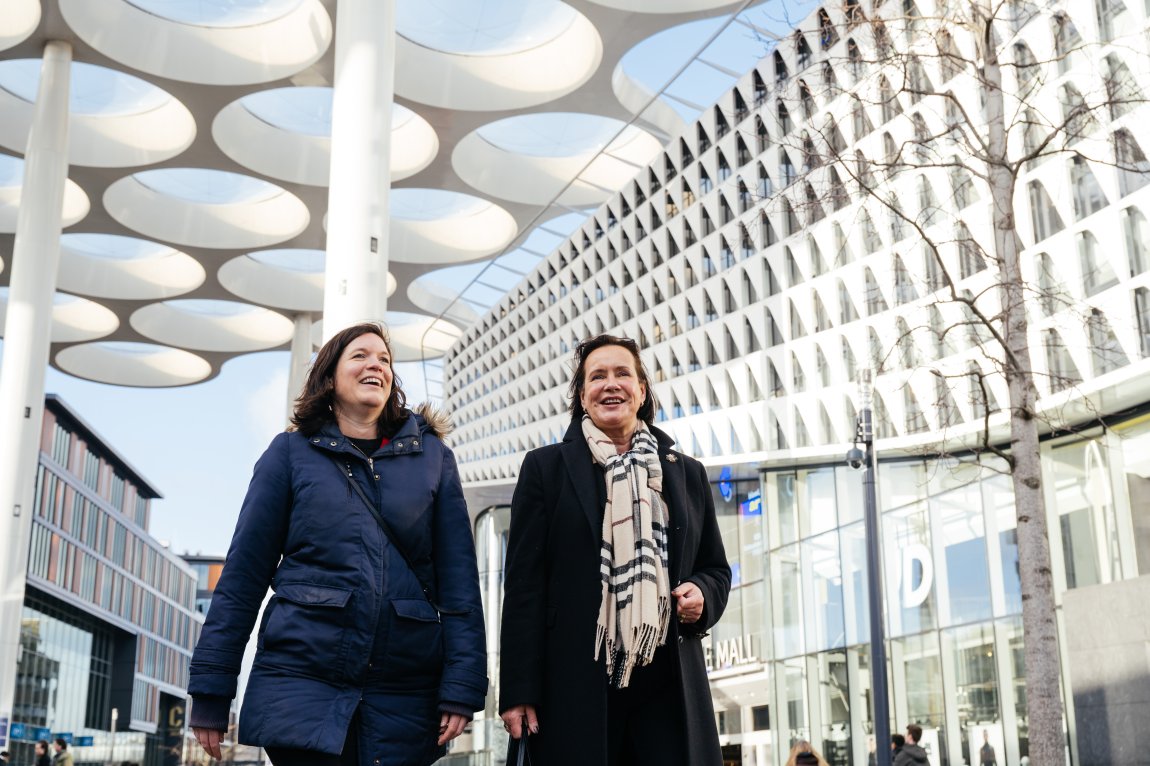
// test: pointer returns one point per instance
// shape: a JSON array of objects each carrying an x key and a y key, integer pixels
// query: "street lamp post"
[
  {"x": 866, "y": 460},
  {"x": 112, "y": 746}
]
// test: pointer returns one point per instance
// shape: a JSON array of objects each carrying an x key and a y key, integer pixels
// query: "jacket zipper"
[{"x": 378, "y": 596}]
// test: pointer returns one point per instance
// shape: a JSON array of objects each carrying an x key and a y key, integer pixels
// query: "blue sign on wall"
[
  {"x": 64, "y": 735},
  {"x": 41, "y": 733},
  {"x": 753, "y": 505},
  {"x": 18, "y": 731},
  {"x": 3, "y": 731},
  {"x": 83, "y": 742},
  {"x": 725, "y": 488}
]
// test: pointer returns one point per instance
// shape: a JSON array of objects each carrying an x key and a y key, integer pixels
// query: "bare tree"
[{"x": 969, "y": 97}]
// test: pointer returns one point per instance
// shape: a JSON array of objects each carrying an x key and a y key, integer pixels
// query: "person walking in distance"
[
  {"x": 912, "y": 753},
  {"x": 62, "y": 757},
  {"x": 42, "y": 757}
]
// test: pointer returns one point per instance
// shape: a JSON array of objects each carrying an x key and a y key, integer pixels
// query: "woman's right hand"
[
  {"x": 209, "y": 740},
  {"x": 515, "y": 719}
]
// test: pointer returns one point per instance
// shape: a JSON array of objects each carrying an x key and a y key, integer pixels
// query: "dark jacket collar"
[{"x": 408, "y": 439}]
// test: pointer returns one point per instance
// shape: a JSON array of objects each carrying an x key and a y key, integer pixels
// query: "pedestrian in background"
[
  {"x": 42, "y": 757},
  {"x": 372, "y": 650},
  {"x": 62, "y": 757},
  {"x": 803, "y": 753},
  {"x": 911, "y": 754},
  {"x": 615, "y": 569}
]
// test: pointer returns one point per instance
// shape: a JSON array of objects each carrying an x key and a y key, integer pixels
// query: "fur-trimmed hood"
[{"x": 434, "y": 419}]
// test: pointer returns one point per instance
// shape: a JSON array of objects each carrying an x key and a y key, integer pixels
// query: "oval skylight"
[
  {"x": 207, "y": 187},
  {"x": 95, "y": 90},
  {"x": 434, "y": 204},
  {"x": 490, "y": 28},
  {"x": 305, "y": 110},
  {"x": 292, "y": 259},
  {"x": 218, "y": 13},
  {"x": 656, "y": 62},
  {"x": 123, "y": 363},
  {"x": 114, "y": 247},
  {"x": 556, "y": 134},
  {"x": 127, "y": 268},
  {"x": 11, "y": 171}
]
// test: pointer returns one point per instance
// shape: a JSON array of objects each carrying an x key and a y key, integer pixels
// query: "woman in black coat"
[{"x": 615, "y": 569}]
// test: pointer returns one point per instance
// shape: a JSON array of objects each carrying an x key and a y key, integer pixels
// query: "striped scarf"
[{"x": 636, "y": 606}]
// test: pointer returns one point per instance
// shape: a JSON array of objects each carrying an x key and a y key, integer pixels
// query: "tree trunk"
[{"x": 1040, "y": 631}]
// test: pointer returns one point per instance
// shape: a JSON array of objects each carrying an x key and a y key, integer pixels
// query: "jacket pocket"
[
  {"x": 306, "y": 628},
  {"x": 415, "y": 640}
]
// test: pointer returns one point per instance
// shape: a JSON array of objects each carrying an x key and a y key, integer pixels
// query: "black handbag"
[{"x": 519, "y": 751}]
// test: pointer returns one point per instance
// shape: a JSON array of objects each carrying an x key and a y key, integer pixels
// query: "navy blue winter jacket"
[{"x": 349, "y": 625}]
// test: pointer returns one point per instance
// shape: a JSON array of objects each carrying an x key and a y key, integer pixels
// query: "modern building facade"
[
  {"x": 109, "y": 618},
  {"x": 826, "y": 216}
]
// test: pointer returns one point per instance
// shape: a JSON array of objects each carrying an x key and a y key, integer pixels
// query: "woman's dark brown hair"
[
  {"x": 314, "y": 407},
  {"x": 584, "y": 349}
]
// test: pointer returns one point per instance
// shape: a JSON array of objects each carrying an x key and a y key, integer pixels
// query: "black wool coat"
[{"x": 553, "y": 593}]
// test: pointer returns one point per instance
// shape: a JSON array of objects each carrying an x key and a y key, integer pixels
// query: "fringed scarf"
[{"x": 636, "y": 606}]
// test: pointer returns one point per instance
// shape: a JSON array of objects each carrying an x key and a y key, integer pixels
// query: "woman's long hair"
[
  {"x": 315, "y": 406},
  {"x": 807, "y": 750},
  {"x": 584, "y": 349}
]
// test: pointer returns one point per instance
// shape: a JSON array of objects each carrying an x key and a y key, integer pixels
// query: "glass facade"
[
  {"x": 791, "y": 657},
  {"x": 792, "y": 650},
  {"x": 109, "y": 618}
]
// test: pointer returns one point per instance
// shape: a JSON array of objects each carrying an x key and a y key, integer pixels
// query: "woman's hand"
[
  {"x": 209, "y": 740},
  {"x": 518, "y": 718},
  {"x": 688, "y": 602},
  {"x": 451, "y": 725}
]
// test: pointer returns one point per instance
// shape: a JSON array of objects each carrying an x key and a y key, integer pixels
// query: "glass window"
[
  {"x": 835, "y": 713},
  {"x": 910, "y": 571},
  {"x": 855, "y": 584},
  {"x": 1136, "y": 465},
  {"x": 1137, "y": 240},
  {"x": 794, "y": 699},
  {"x": 1044, "y": 216},
  {"x": 787, "y": 612},
  {"x": 823, "y": 584},
  {"x": 1088, "y": 195},
  {"x": 972, "y": 658},
  {"x": 1086, "y": 514},
  {"x": 917, "y": 657},
  {"x": 963, "y": 571},
  {"x": 1133, "y": 169},
  {"x": 998, "y": 496}
]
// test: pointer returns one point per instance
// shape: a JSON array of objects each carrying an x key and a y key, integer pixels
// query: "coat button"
[
  {"x": 399, "y": 445},
  {"x": 334, "y": 443},
  {"x": 415, "y": 443},
  {"x": 315, "y": 440}
]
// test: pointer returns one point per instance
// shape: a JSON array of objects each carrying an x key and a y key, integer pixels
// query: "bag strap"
[{"x": 388, "y": 532}]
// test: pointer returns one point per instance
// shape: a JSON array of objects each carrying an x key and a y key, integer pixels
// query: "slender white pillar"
[
  {"x": 357, "y": 211},
  {"x": 300, "y": 359},
  {"x": 28, "y": 323}
]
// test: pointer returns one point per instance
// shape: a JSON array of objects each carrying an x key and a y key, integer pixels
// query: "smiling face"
[
  {"x": 363, "y": 377},
  {"x": 612, "y": 392}
]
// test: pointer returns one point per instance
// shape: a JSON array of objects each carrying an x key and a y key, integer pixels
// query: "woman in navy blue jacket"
[{"x": 371, "y": 651}]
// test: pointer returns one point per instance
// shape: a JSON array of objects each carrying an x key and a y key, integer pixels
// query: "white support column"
[
  {"x": 300, "y": 359},
  {"x": 360, "y": 180},
  {"x": 28, "y": 324}
]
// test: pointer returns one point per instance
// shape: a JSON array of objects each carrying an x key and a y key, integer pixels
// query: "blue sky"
[{"x": 197, "y": 444}]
